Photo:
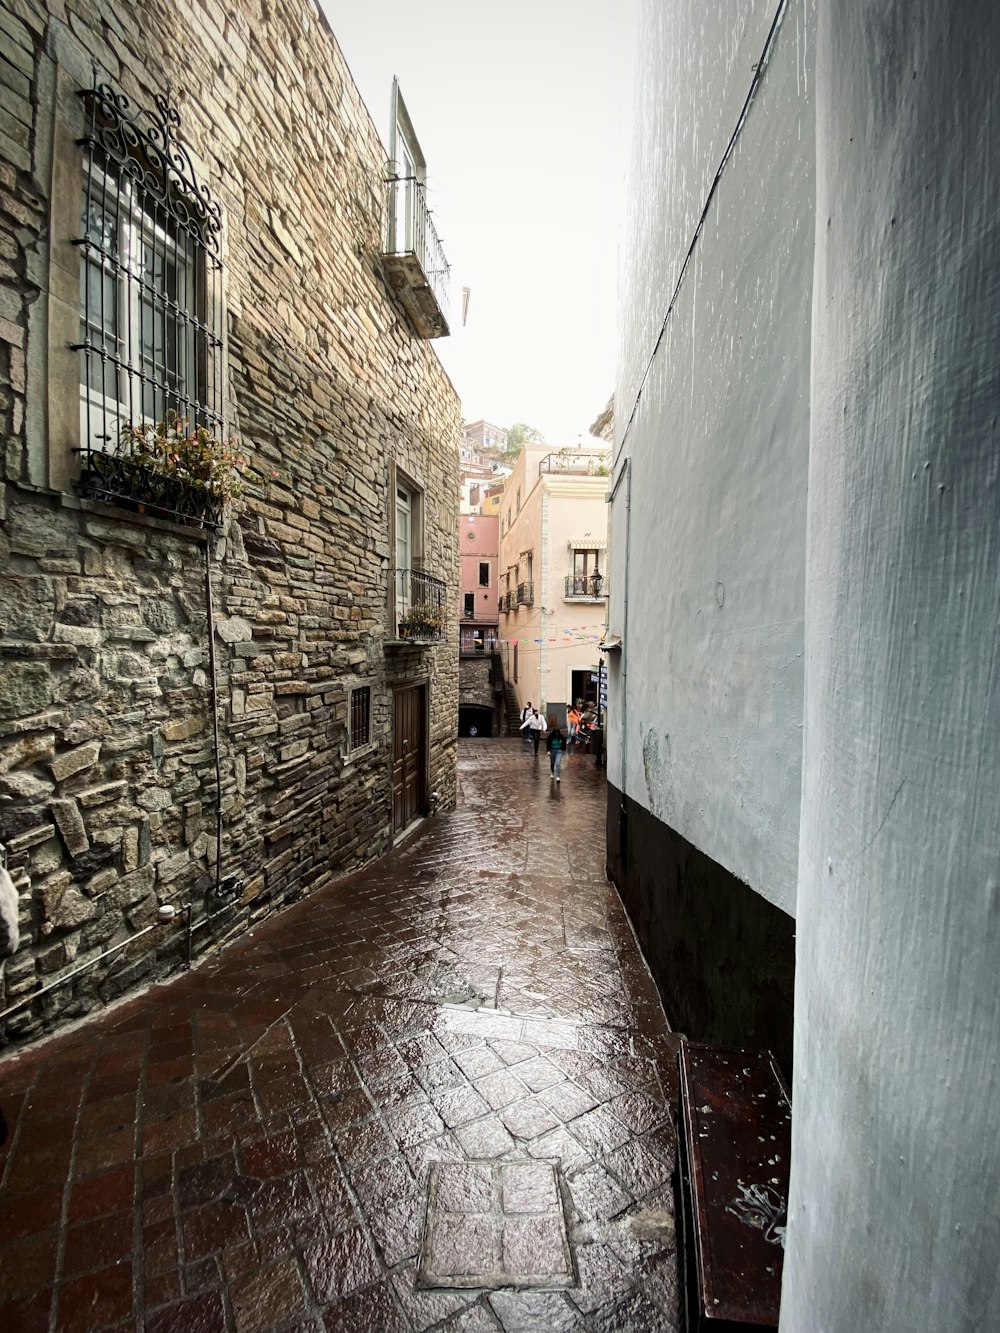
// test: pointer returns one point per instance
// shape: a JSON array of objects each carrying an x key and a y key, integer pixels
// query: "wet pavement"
[{"x": 435, "y": 1096}]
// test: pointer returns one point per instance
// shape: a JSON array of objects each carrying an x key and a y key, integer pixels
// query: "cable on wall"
[{"x": 730, "y": 146}]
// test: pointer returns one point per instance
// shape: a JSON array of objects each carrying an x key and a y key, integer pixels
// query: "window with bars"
[
  {"x": 150, "y": 301},
  {"x": 361, "y": 716}
]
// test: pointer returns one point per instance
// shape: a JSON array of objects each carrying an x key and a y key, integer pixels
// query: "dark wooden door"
[{"x": 409, "y": 761}]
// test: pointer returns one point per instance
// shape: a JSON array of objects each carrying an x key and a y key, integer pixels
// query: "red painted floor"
[{"x": 248, "y": 1146}]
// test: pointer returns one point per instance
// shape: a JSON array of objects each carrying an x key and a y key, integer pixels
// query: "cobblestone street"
[{"x": 250, "y": 1147}]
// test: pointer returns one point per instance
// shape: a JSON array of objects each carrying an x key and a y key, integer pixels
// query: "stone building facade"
[{"x": 116, "y": 795}]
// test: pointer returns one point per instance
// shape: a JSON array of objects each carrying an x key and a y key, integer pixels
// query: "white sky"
[{"x": 520, "y": 108}]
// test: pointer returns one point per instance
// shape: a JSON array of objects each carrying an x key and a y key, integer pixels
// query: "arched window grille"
[{"x": 151, "y": 347}]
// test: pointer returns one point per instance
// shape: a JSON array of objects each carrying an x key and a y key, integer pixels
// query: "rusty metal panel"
[{"x": 736, "y": 1123}]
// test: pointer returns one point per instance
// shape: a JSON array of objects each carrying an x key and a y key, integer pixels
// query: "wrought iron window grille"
[
  {"x": 151, "y": 347},
  {"x": 420, "y": 601},
  {"x": 361, "y": 706}
]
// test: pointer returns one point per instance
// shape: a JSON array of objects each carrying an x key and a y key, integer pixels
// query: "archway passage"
[{"x": 475, "y": 720}]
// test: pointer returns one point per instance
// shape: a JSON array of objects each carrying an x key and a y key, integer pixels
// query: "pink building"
[{"x": 478, "y": 605}]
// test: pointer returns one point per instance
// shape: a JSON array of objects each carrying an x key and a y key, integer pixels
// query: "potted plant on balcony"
[
  {"x": 170, "y": 470},
  {"x": 421, "y": 621}
]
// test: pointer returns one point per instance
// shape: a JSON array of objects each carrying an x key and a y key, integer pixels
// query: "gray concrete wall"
[
  {"x": 718, "y": 441},
  {"x": 894, "y": 1223}
]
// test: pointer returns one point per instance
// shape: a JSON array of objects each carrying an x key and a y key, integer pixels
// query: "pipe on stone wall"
[
  {"x": 210, "y": 605},
  {"x": 626, "y": 472},
  {"x": 116, "y": 948},
  {"x": 75, "y": 972}
]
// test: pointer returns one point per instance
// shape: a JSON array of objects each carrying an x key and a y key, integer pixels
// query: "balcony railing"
[
  {"x": 414, "y": 258},
  {"x": 420, "y": 603},
  {"x": 478, "y": 643},
  {"x": 525, "y": 594},
  {"x": 589, "y": 587},
  {"x": 575, "y": 464}
]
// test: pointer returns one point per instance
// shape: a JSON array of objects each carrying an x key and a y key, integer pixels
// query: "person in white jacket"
[
  {"x": 535, "y": 727},
  {"x": 526, "y": 712}
]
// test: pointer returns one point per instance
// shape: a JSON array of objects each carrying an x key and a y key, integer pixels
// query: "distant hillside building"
[{"x": 478, "y": 435}]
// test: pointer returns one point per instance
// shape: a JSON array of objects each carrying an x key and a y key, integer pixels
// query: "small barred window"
[{"x": 361, "y": 716}]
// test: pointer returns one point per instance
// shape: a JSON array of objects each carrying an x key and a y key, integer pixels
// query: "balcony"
[
  {"x": 525, "y": 594},
  {"x": 478, "y": 643},
  {"x": 584, "y": 588},
  {"x": 414, "y": 260},
  {"x": 574, "y": 464},
  {"x": 419, "y": 610}
]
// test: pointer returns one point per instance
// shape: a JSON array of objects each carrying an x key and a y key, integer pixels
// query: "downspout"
[
  {"x": 626, "y": 472},
  {"x": 210, "y": 606},
  {"x": 543, "y": 653},
  {"x": 214, "y": 689}
]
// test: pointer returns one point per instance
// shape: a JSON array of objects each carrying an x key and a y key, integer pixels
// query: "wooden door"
[{"x": 409, "y": 759}]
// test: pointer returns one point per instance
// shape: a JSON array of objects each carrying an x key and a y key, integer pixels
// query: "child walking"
[{"x": 556, "y": 746}]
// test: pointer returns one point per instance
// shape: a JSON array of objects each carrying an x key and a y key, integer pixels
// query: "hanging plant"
[
  {"x": 422, "y": 619},
  {"x": 193, "y": 455},
  {"x": 169, "y": 469}
]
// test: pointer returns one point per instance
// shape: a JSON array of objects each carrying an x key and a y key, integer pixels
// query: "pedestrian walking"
[
  {"x": 555, "y": 743},
  {"x": 526, "y": 712},
  {"x": 572, "y": 723},
  {"x": 535, "y": 727}
]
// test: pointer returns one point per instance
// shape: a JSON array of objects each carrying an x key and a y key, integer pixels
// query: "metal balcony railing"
[
  {"x": 420, "y": 601},
  {"x": 575, "y": 464},
  {"x": 415, "y": 258},
  {"x": 478, "y": 643},
  {"x": 590, "y": 586},
  {"x": 525, "y": 594}
]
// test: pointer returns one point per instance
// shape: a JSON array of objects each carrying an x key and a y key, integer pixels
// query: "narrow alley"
[{"x": 251, "y": 1146}]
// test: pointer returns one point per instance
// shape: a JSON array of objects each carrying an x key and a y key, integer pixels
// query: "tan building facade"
[{"x": 553, "y": 572}]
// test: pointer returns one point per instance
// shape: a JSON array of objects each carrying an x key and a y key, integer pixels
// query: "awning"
[{"x": 588, "y": 543}]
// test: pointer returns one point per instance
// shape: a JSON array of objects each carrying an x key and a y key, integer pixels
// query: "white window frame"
[{"x": 102, "y": 416}]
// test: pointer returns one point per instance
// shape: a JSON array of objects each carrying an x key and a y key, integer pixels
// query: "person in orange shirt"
[{"x": 572, "y": 724}]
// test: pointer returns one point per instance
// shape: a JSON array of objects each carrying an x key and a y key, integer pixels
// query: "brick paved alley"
[{"x": 251, "y": 1147}]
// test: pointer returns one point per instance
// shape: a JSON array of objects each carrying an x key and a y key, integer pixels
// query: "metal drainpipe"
[
  {"x": 626, "y": 472},
  {"x": 214, "y": 685},
  {"x": 30, "y": 998}
]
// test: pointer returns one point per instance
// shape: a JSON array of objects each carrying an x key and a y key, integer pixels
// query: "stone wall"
[
  {"x": 108, "y": 790},
  {"x": 474, "y": 685}
]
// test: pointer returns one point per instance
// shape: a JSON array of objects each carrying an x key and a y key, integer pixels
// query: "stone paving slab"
[
  {"x": 495, "y": 1224},
  {"x": 251, "y": 1147}
]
